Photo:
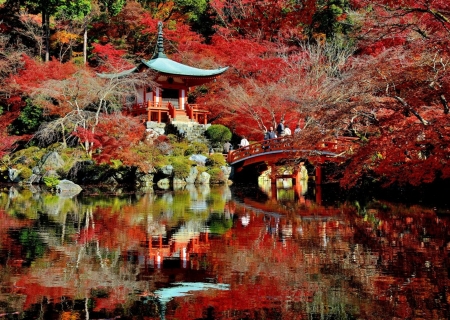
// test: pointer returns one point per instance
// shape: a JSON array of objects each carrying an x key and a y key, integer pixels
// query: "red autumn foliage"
[
  {"x": 110, "y": 59},
  {"x": 7, "y": 142},
  {"x": 275, "y": 21},
  {"x": 34, "y": 73}
]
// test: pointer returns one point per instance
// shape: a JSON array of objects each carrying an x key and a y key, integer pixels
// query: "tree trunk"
[
  {"x": 85, "y": 44},
  {"x": 46, "y": 27},
  {"x": 63, "y": 135},
  {"x": 444, "y": 103}
]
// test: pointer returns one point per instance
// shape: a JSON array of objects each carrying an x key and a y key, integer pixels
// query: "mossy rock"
[
  {"x": 217, "y": 176},
  {"x": 25, "y": 171}
]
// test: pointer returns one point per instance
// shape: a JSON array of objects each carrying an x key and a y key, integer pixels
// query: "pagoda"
[{"x": 168, "y": 101}]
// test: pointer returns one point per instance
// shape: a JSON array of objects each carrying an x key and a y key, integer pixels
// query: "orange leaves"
[{"x": 64, "y": 37}]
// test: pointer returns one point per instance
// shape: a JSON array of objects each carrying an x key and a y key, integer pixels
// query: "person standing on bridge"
[
  {"x": 280, "y": 129},
  {"x": 227, "y": 147},
  {"x": 287, "y": 131},
  {"x": 269, "y": 134},
  {"x": 244, "y": 142}
]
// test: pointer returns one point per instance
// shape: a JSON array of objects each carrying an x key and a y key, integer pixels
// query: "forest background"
[{"x": 371, "y": 69}]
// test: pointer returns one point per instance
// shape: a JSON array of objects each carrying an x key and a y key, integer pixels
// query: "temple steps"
[{"x": 192, "y": 131}]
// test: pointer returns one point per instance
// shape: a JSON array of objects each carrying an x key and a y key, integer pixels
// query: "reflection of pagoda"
[
  {"x": 178, "y": 248},
  {"x": 168, "y": 102}
]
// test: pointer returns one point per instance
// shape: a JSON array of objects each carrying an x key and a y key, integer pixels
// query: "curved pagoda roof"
[{"x": 162, "y": 64}]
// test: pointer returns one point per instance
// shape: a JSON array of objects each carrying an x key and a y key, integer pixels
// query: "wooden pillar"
[
  {"x": 273, "y": 173},
  {"x": 319, "y": 194},
  {"x": 150, "y": 247},
  {"x": 180, "y": 99},
  {"x": 273, "y": 191},
  {"x": 318, "y": 177},
  {"x": 296, "y": 176},
  {"x": 149, "y": 117}
]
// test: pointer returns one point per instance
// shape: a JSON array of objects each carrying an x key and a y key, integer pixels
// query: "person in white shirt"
[
  {"x": 244, "y": 142},
  {"x": 287, "y": 131}
]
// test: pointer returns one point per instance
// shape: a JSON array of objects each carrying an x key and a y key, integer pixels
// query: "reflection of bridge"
[{"x": 273, "y": 150}]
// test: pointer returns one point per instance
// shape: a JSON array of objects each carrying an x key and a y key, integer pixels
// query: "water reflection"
[{"x": 249, "y": 252}]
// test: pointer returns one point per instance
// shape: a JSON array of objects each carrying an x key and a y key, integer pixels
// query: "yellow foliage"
[{"x": 64, "y": 37}]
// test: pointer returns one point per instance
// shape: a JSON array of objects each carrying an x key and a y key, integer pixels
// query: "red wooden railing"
[
  {"x": 197, "y": 114},
  {"x": 328, "y": 148},
  {"x": 161, "y": 111}
]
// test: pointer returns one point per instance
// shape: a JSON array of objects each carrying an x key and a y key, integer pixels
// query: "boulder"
[
  {"x": 203, "y": 178},
  {"x": 35, "y": 178},
  {"x": 14, "y": 175},
  {"x": 199, "y": 158},
  {"x": 226, "y": 171},
  {"x": 167, "y": 170},
  {"x": 193, "y": 173},
  {"x": 67, "y": 188},
  {"x": 51, "y": 161},
  {"x": 79, "y": 170}
]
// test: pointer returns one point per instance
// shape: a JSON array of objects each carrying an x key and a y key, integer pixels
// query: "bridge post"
[
  {"x": 273, "y": 174},
  {"x": 318, "y": 177},
  {"x": 273, "y": 191},
  {"x": 318, "y": 192}
]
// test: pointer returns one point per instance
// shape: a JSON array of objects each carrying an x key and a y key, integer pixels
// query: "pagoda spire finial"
[{"x": 159, "y": 50}]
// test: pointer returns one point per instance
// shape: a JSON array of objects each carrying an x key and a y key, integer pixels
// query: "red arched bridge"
[{"x": 273, "y": 150}]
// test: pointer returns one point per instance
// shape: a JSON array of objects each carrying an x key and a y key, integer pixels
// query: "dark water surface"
[{"x": 237, "y": 252}]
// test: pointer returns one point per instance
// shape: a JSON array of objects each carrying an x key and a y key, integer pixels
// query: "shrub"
[
  {"x": 196, "y": 148},
  {"x": 51, "y": 182},
  {"x": 218, "y": 134},
  {"x": 179, "y": 148},
  {"x": 116, "y": 163},
  {"x": 217, "y": 176},
  {"x": 215, "y": 160},
  {"x": 29, "y": 156},
  {"x": 181, "y": 167}
]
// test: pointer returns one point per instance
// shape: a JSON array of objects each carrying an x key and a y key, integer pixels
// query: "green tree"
[
  {"x": 331, "y": 18},
  {"x": 218, "y": 134},
  {"x": 29, "y": 120}
]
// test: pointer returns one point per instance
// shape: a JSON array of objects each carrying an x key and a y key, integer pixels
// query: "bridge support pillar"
[
  {"x": 318, "y": 192},
  {"x": 273, "y": 174},
  {"x": 318, "y": 177}
]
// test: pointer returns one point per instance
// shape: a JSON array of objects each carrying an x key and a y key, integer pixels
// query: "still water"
[{"x": 220, "y": 253}]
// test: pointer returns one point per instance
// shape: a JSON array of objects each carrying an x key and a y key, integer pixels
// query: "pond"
[{"x": 239, "y": 252}]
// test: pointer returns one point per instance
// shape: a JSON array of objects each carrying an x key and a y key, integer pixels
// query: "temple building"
[{"x": 168, "y": 102}]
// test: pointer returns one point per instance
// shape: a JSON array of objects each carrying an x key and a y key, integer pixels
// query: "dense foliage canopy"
[{"x": 376, "y": 70}]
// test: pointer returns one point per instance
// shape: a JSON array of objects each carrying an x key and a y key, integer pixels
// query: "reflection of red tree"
[{"x": 7, "y": 224}]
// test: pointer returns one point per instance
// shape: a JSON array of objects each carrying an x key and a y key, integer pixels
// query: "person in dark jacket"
[{"x": 280, "y": 129}]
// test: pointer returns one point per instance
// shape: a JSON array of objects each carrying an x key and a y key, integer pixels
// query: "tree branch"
[
  {"x": 414, "y": 112},
  {"x": 444, "y": 103}
]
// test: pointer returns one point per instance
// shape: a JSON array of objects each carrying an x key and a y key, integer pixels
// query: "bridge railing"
[
  {"x": 270, "y": 145},
  {"x": 335, "y": 146}
]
